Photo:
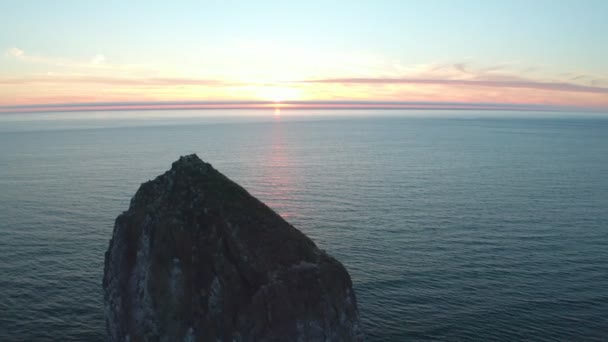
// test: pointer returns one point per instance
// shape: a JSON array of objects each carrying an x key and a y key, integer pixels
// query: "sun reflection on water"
[{"x": 280, "y": 172}]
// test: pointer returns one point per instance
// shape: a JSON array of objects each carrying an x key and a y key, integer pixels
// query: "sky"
[{"x": 514, "y": 54}]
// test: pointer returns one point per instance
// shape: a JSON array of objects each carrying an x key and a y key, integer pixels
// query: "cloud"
[
  {"x": 461, "y": 67},
  {"x": 98, "y": 62},
  {"x": 113, "y": 81},
  {"x": 555, "y": 86},
  {"x": 98, "y": 59},
  {"x": 15, "y": 52},
  {"x": 245, "y": 71}
]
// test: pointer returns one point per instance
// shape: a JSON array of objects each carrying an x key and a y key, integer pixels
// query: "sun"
[{"x": 279, "y": 94}]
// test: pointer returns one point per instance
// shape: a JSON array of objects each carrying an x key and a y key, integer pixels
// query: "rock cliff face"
[{"x": 197, "y": 258}]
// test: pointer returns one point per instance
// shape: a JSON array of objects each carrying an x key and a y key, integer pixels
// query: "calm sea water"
[{"x": 452, "y": 229}]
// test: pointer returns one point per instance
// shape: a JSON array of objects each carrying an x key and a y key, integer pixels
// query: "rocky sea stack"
[{"x": 197, "y": 258}]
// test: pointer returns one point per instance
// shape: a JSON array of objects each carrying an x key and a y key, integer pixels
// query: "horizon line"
[{"x": 297, "y": 105}]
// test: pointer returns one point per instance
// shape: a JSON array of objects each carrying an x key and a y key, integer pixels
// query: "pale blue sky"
[{"x": 559, "y": 33}]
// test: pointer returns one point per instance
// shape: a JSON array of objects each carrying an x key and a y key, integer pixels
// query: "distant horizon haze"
[{"x": 288, "y": 105}]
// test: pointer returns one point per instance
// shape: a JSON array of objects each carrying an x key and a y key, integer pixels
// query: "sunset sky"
[{"x": 447, "y": 53}]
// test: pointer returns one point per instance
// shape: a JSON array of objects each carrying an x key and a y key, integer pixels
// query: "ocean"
[{"x": 453, "y": 226}]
